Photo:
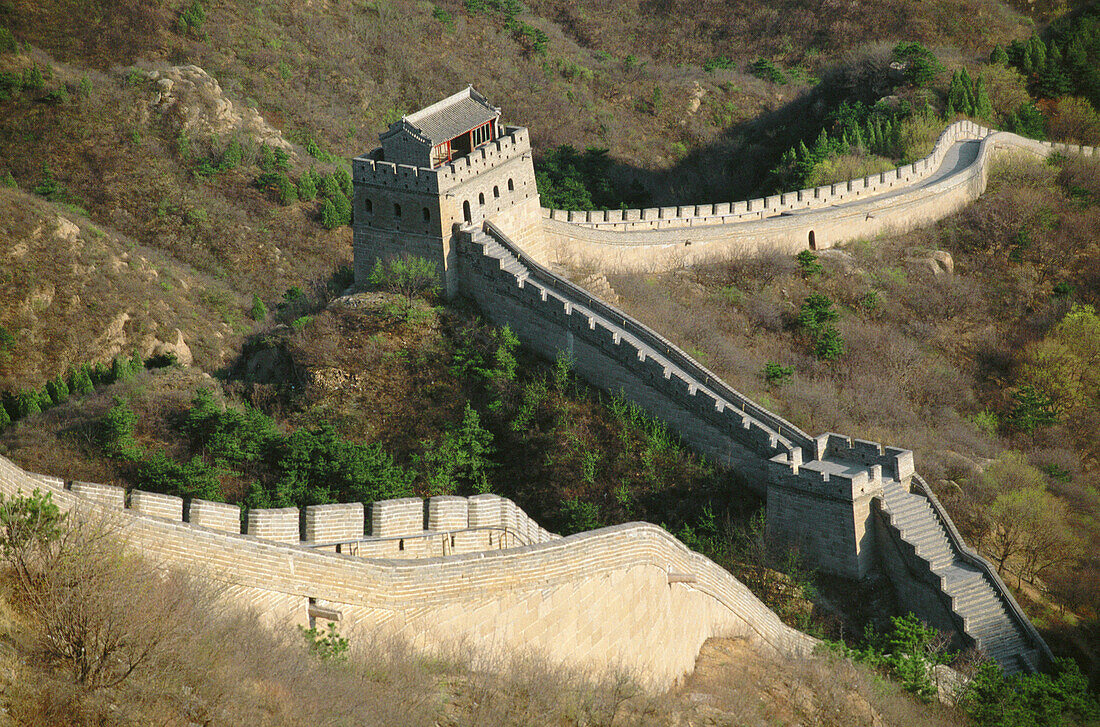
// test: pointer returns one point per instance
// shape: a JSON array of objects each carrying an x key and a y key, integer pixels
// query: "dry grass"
[{"x": 205, "y": 662}]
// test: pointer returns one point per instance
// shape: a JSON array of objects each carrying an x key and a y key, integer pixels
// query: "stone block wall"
[
  {"x": 278, "y": 524},
  {"x": 601, "y": 600},
  {"x": 105, "y": 495},
  {"x": 157, "y": 505},
  {"x": 214, "y": 515},
  {"x": 334, "y": 523},
  {"x": 656, "y": 241}
]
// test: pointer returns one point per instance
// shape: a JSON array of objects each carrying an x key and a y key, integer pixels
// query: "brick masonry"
[{"x": 600, "y": 600}]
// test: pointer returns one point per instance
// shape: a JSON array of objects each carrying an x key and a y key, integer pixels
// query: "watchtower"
[{"x": 450, "y": 163}]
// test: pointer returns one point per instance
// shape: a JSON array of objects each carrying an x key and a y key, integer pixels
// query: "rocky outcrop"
[{"x": 195, "y": 103}]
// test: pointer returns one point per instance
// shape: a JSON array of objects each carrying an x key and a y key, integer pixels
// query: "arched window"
[
  {"x": 397, "y": 210},
  {"x": 481, "y": 198},
  {"x": 496, "y": 191},
  {"x": 466, "y": 211},
  {"x": 369, "y": 206},
  {"x": 813, "y": 240},
  {"x": 427, "y": 215},
  {"x": 511, "y": 187}
]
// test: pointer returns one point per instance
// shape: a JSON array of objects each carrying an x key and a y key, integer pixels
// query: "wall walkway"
[
  {"x": 629, "y": 597},
  {"x": 660, "y": 239},
  {"x": 864, "y": 501}
]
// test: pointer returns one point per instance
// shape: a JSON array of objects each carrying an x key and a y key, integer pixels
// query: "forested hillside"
[{"x": 174, "y": 241}]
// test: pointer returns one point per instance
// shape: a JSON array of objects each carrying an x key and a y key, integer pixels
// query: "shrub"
[
  {"x": 7, "y": 41},
  {"x": 5, "y": 420},
  {"x": 58, "y": 391},
  {"x": 192, "y": 18},
  {"x": 808, "y": 264},
  {"x": 717, "y": 62},
  {"x": 445, "y": 18},
  {"x": 330, "y": 218},
  {"x": 259, "y": 310},
  {"x": 816, "y": 317},
  {"x": 460, "y": 458},
  {"x": 158, "y": 473},
  {"x": 307, "y": 186},
  {"x": 1032, "y": 409},
  {"x": 765, "y": 69},
  {"x": 120, "y": 369},
  {"x": 33, "y": 78},
  {"x": 776, "y": 374},
  {"x": 921, "y": 65},
  {"x": 326, "y": 644},
  {"x": 577, "y": 516},
  {"x": 28, "y": 404},
  {"x": 406, "y": 275},
  {"x": 81, "y": 382},
  {"x": 992, "y": 699},
  {"x": 28, "y": 525},
  {"x": 116, "y": 432}
]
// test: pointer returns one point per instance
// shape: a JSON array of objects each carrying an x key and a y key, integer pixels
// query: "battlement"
[
  {"x": 370, "y": 169},
  {"x": 724, "y": 213},
  {"x": 515, "y": 142},
  {"x": 404, "y": 528}
]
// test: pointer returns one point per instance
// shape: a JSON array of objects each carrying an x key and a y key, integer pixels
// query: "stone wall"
[
  {"x": 629, "y": 597},
  {"x": 661, "y": 239},
  {"x": 401, "y": 209}
]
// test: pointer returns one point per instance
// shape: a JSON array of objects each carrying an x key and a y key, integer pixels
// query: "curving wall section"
[
  {"x": 659, "y": 239},
  {"x": 629, "y": 597}
]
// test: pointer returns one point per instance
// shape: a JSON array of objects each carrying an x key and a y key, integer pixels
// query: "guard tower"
[{"x": 450, "y": 163}]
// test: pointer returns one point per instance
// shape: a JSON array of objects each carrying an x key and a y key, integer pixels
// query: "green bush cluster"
[
  {"x": 1067, "y": 62},
  {"x": 191, "y": 18},
  {"x": 713, "y": 64},
  {"x": 571, "y": 180},
  {"x": 921, "y": 65},
  {"x": 908, "y": 653},
  {"x": 81, "y": 381},
  {"x": 1061, "y": 697},
  {"x": 816, "y": 317},
  {"x": 968, "y": 97},
  {"x": 535, "y": 39},
  {"x": 305, "y": 467},
  {"x": 854, "y": 126},
  {"x": 765, "y": 69}
]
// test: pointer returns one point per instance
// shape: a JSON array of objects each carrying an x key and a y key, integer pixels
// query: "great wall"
[{"x": 477, "y": 572}]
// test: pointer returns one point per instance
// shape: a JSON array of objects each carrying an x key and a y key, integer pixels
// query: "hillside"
[{"x": 174, "y": 212}]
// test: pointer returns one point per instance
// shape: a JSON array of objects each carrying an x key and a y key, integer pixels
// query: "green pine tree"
[
  {"x": 28, "y": 404},
  {"x": 999, "y": 56},
  {"x": 983, "y": 106},
  {"x": 59, "y": 392},
  {"x": 307, "y": 186},
  {"x": 330, "y": 218},
  {"x": 5, "y": 420}
]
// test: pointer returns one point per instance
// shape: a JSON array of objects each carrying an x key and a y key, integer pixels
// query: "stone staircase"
[
  {"x": 975, "y": 602},
  {"x": 980, "y": 604}
]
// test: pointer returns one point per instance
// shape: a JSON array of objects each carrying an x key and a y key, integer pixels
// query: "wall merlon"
[
  {"x": 214, "y": 515},
  {"x": 168, "y": 507},
  {"x": 485, "y": 511},
  {"x": 280, "y": 525},
  {"x": 335, "y": 522},
  {"x": 447, "y": 512},
  {"x": 107, "y": 496},
  {"x": 396, "y": 518},
  {"x": 903, "y": 464}
]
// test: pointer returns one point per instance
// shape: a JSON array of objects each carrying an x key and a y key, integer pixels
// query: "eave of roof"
[{"x": 446, "y": 119}]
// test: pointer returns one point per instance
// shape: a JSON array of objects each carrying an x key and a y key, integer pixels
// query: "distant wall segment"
[{"x": 659, "y": 239}]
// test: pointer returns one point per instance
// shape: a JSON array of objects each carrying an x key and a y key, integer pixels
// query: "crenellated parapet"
[{"x": 630, "y": 597}]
